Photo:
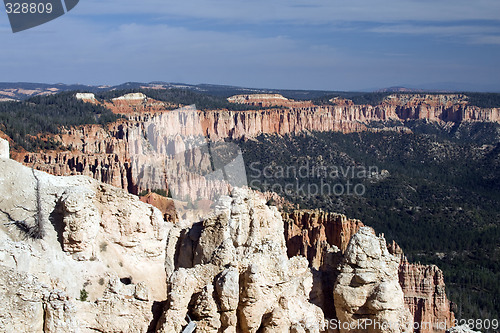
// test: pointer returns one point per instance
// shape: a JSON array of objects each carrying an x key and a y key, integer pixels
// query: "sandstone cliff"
[
  {"x": 231, "y": 273},
  {"x": 99, "y": 262},
  {"x": 108, "y": 262},
  {"x": 367, "y": 293},
  {"x": 267, "y": 100},
  {"x": 323, "y": 237},
  {"x": 131, "y": 152},
  {"x": 425, "y": 296}
]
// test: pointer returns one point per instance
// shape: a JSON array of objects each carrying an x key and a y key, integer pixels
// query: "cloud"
[
  {"x": 156, "y": 52},
  {"x": 302, "y": 11},
  {"x": 280, "y": 44},
  {"x": 422, "y": 29},
  {"x": 471, "y": 33},
  {"x": 489, "y": 40}
]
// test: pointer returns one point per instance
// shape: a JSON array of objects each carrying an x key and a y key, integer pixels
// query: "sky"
[{"x": 285, "y": 44}]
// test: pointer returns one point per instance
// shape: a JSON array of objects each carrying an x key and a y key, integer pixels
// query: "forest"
[
  {"x": 23, "y": 121},
  {"x": 439, "y": 194}
]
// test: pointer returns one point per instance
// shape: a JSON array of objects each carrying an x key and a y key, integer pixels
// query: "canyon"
[
  {"x": 108, "y": 262},
  {"x": 156, "y": 146},
  {"x": 131, "y": 152}
]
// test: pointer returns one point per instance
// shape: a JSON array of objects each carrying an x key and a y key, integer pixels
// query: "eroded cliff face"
[
  {"x": 367, "y": 293},
  {"x": 447, "y": 108},
  {"x": 131, "y": 153},
  {"x": 105, "y": 261},
  {"x": 309, "y": 232},
  {"x": 323, "y": 238},
  {"x": 425, "y": 296},
  {"x": 77, "y": 255},
  {"x": 230, "y": 273}
]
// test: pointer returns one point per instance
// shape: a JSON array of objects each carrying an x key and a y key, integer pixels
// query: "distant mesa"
[
  {"x": 131, "y": 97},
  {"x": 267, "y": 100},
  {"x": 256, "y": 98},
  {"x": 85, "y": 96},
  {"x": 341, "y": 101}
]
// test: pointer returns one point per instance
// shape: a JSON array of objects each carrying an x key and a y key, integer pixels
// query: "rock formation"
[
  {"x": 108, "y": 262},
  {"x": 268, "y": 100},
  {"x": 461, "y": 329},
  {"x": 4, "y": 148},
  {"x": 307, "y": 230},
  {"x": 322, "y": 237},
  {"x": 367, "y": 294},
  {"x": 119, "y": 154},
  {"x": 86, "y": 97},
  {"x": 230, "y": 273},
  {"x": 99, "y": 266},
  {"x": 164, "y": 204},
  {"x": 424, "y": 290}
]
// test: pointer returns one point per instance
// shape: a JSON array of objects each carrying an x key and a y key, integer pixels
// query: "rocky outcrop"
[
  {"x": 164, "y": 204},
  {"x": 108, "y": 262},
  {"x": 131, "y": 97},
  {"x": 367, "y": 294},
  {"x": 268, "y": 100},
  {"x": 447, "y": 108},
  {"x": 120, "y": 154},
  {"x": 86, "y": 97},
  {"x": 323, "y": 237},
  {"x": 99, "y": 265},
  {"x": 230, "y": 273},
  {"x": 311, "y": 232},
  {"x": 425, "y": 296},
  {"x": 461, "y": 329},
  {"x": 4, "y": 148}
]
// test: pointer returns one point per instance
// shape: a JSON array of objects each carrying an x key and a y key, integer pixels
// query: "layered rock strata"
[
  {"x": 97, "y": 263},
  {"x": 367, "y": 294},
  {"x": 116, "y": 154},
  {"x": 425, "y": 296},
  {"x": 323, "y": 237},
  {"x": 230, "y": 273}
]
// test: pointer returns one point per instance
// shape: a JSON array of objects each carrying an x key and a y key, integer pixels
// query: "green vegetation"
[
  {"x": 83, "y": 295},
  {"x": 440, "y": 196},
  {"x": 181, "y": 96},
  {"x": 483, "y": 100},
  {"x": 22, "y": 121}
]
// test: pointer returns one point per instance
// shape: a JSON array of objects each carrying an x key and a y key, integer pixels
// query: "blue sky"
[{"x": 328, "y": 45}]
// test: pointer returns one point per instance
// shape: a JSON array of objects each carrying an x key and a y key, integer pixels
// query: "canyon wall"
[
  {"x": 80, "y": 255},
  {"x": 323, "y": 238},
  {"x": 133, "y": 152},
  {"x": 77, "y": 255}
]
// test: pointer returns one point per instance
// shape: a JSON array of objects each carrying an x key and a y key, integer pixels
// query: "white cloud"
[
  {"x": 155, "y": 52},
  {"x": 302, "y": 11},
  {"x": 87, "y": 48},
  {"x": 470, "y": 34}
]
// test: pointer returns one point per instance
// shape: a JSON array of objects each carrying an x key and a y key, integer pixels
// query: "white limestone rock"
[
  {"x": 98, "y": 240},
  {"x": 367, "y": 294},
  {"x": 4, "y": 148},
  {"x": 241, "y": 251}
]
